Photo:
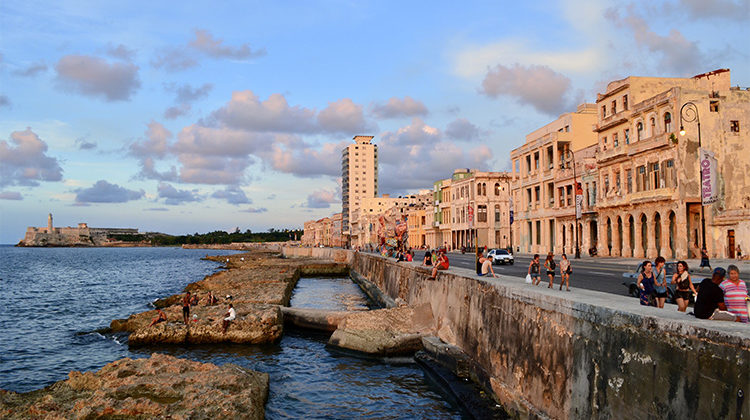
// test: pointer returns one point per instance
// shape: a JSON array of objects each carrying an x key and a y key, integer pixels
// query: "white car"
[{"x": 501, "y": 256}]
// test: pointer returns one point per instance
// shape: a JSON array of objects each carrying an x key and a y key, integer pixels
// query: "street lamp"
[
  {"x": 575, "y": 194},
  {"x": 689, "y": 113}
]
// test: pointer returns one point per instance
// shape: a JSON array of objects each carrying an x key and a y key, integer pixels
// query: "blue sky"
[{"x": 197, "y": 116}]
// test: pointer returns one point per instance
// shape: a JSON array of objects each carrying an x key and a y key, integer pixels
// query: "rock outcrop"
[
  {"x": 157, "y": 387},
  {"x": 385, "y": 332}
]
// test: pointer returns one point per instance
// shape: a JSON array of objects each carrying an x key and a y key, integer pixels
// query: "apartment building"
[
  {"x": 543, "y": 187},
  {"x": 649, "y": 178},
  {"x": 359, "y": 176}
]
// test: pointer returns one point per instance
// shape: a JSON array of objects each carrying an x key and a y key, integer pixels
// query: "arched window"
[
  {"x": 497, "y": 188},
  {"x": 479, "y": 189},
  {"x": 639, "y": 130},
  {"x": 667, "y": 122},
  {"x": 484, "y": 188},
  {"x": 653, "y": 126},
  {"x": 497, "y": 211}
]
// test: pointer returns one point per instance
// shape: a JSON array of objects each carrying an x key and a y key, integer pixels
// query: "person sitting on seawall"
[
  {"x": 646, "y": 283},
  {"x": 228, "y": 318},
  {"x": 410, "y": 256},
  {"x": 660, "y": 282},
  {"x": 710, "y": 301},
  {"x": 441, "y": 264},
  {"x": 487, "y": 270},
  {"x": 160, "y": 317},
  {"x": 684, "y": 286},
  {"x": 478, "y": 261},
  {"x": 735, "y": 294},
  {"x": 427, "y": 261}
]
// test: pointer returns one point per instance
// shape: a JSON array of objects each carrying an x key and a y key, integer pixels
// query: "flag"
[
  {"x": 471, "y": 216},
  {"x": 709, "y": 177},
  {"x": 579, "y": 200}
]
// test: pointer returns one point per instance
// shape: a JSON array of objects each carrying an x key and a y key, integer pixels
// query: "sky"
[{"x": 200, "y": 116}]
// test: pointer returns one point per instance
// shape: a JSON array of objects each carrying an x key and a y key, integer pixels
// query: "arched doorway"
[
  {"x": 593, "y": 235},
  {"x": 631, "y": 233},
  {"x": 609, "y": 236},
  {"x": 644, "y": 235},
  {"x": 564, "y": 238},
  {"x": 619, "y": 234},
  {"x": 672, "y": 232},
  {"x": 657, "y": 233}
]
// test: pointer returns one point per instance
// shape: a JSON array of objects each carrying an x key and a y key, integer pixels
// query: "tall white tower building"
[{"x": 359, "y": 175}]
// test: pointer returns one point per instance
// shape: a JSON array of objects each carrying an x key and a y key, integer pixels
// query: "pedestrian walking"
[
  {"x": 704, "y": 259},
  {"x": 565, "y": 271},
  {"x": 739, "y": 252},
  {"x": 534, "y": 270},
  {"x": 684, "y": 286},
  {"x": 646, "y": 283},
  {"x": 660, "y": 285},
  {"x": 550, "y": 265}
]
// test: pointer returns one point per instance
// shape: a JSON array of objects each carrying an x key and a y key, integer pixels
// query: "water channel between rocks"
[{"x": 309, "y": 381}]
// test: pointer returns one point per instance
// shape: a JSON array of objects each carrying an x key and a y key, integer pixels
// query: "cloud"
[
  {"x": 120, "y": 51},
  {"x": 156, "y": 209},
  {"x": 255, "y": 210},
  {"x": 184, "y": 96},
  {"x": 104, "y": 192},
  {"x": 94, "y": 76},
  {"x": 177, "y": 111},
  {"x": 4, "y": 101},
  {"x": 678, "y": 55},
  {"x": 537, "y": 86},
  {"x": 462, "y": 129},
  {"x": 84, "y": 144},
  {"x": 156, "y": 143},
  {"x": 10, "y": 195},
  {"x": 174, "y": 197},
  {"x": 342, "y": 116},
  {"x": 173, "y": 59},
  {"x": 415, "y": 133},
  {"x": 233, "y": 194},
  {"x": 703, "y": 9},
  {"x": 321, "y": 199},
  {"x": 397, "y": 108},
  {"x": 246, "y": 111},
  {"x": 213, "y": 47},
  {"x": 32, "y": 70},
  {"x": 27, "y": 163},
  {"x": 307, "y": 161}
]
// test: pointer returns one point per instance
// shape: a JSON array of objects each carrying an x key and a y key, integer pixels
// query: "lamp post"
[
  {"x": 689, "y": 113},
  {"x": 575, "y": 194}
]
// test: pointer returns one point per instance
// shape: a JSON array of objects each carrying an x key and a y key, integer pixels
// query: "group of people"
[
  {"x": 717, "y": 298},
  {"x": 535, "y": 266},
  {"x": 192, "y": 300}
]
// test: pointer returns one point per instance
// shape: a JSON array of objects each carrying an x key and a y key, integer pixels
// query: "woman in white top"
[{"x": 565, "y": 272}]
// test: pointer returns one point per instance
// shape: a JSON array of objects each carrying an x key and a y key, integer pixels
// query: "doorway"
[{"x": 730, "y": 243}]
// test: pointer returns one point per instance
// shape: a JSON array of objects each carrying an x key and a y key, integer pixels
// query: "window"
[
  {"x": 734, "y": 126},
  {"x": 655, "y": 175},
  {"x": 551, "y": 194},
  {"x": 604, "y": 111},
  {"x": 605, "y": 192},
  {"x": 604, "y": 143},
  {"x": 667, "y": 122},
  {"x": 567, "y": 128},
  {"x": 593, "y": 193},
  {"x": 629, "y": 176},
  {"x": 625, "y": 102},
  {"x": 484, "y": 189},
  {"x": 479, "y": 189},
  {"x": 642, "y": 179},
  {"x": 497, "y": 213},
  {"x": 713, "y": 106},
  {"x": 536, "y": 161},
  {"x": 569, "y": 195},
  {"x": 482, "y": 214},
  {"x": 614, "y": 107},
  {"x": 617, "y": 182},
  {"x": 497, "y": 189},
  {"x": 528, "y": 191},
  {"x": 653, "y": 126},
  {"x": 561, "y": 196},
  {"x": 670, "y": 176},
  {"x": 537, "y": 191},
  {"x": 639, "y": 129},
  {"x": 615, "y": 141},
  {"x": 588, "y": 196},
  {"x": 528, "y": 163},
  {"x": 627, "y": 136}
]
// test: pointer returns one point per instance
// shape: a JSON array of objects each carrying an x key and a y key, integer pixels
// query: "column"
[
  {"x": 638, "y": 250},
  {"x": 585, "y": 239},
  {"x": 666, "y": 251},
  {"x": 616, "y": 252},
  {"x": 601, "y": 242},
  {"x": 681, "y": 236},
  {"x": 626, "y": 250},
  {"x": 651, "y": 251}
]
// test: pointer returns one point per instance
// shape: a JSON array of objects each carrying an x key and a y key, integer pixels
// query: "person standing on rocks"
[
  {"x": 186, "y": 308},
  {"x": 230, "y": 316}
]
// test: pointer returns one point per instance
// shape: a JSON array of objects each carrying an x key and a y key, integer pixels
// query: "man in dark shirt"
[{"x": 710, "y": 296}]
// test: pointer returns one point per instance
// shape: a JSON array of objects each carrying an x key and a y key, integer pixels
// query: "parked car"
[
  {"x": 671, "y": 267},
  {"x": 501, "y": 256}
]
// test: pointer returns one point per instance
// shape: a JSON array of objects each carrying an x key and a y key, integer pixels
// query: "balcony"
[
  {"x": 612, "y": 153},
  {"x": 653, "y": 142}
]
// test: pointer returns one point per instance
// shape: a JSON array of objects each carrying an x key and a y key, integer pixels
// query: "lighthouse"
[{"x": 49, "y": 223}]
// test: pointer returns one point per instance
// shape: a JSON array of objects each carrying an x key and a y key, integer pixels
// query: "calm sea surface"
[{"x": 53, "y": 300}]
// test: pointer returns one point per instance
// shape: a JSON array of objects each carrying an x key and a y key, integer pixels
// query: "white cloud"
[
  {"x": 462, "y": 129},
  {"x": 722, "y": 9},
  {"x": 31, "y": 70},
  {"x": 233, "y": 194},
  {"x": 246, "y": 111},
  {"x": 213, "y": 47},
  {"x": 321, "y": 199},
  {"x": 120, "y": 51},
  {"x": 255, "y": 210},
  {"x": 397, "y": 108},
  {"x": 94, "y": 76},
  {"x": 24, "y": 160},
  {"x": 342, "y": 116},
  {"x": 538, "y": 86},
  {"x": 308, "y": 160},
  {"x": 174, "y": 197},
  {"x": 104, "y": 192},
  {"x": 10, "y": 195},
  {"x": 173, "y": 59}
]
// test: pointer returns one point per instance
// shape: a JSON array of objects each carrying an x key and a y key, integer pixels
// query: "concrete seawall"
[{"x": 574, "y": 355}]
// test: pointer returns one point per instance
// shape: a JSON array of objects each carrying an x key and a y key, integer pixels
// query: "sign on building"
[
  {"x": 579, "y": 200},
  {"x": 470, "y": 212},
  {"x": 709, "y": 177}
]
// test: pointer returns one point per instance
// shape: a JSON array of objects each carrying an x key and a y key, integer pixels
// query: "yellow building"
[
  {"x": 648, "y": 175},
  {"x": 416, "y": 221},
  {"x": 543, "y": 187}
]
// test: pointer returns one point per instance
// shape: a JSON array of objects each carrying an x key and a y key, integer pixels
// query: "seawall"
[{"x": 585, "y": 354}]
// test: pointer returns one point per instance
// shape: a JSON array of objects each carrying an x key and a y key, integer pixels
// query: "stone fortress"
[{"x": 83, "y": 235}]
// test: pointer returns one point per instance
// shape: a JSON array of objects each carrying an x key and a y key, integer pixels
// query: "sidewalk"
[{"x": 693, "y": 263}]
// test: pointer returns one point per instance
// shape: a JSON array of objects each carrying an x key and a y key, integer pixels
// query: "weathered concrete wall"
[
  {"x": 577, "y": 355},
  {"x": 334, "y": 254}
]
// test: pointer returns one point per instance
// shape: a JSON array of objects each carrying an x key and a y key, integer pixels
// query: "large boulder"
[
  {"x": 255, "y": 323},
  {"x": 157, "y": 387},
  {"x": 385, "y": 332}
]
